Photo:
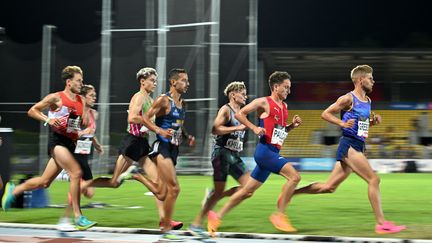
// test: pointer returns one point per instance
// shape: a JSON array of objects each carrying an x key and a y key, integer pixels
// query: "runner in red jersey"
[
  {"x": 273, "y": 130},
  {"x": 66, "y": 115}
]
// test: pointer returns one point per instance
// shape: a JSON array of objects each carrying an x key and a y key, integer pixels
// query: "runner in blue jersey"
[
  {"x": 355, "y": 109},
  {"x": 169, "y": 110}
]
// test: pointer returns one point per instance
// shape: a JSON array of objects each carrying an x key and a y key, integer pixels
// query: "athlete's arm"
[
  {"x": 85, "y": 117},
  {"x": 342, "y": 103},
  {"x": 221, "y": 119},
  {"x": 36, "y": 113},
  {"x": 296, "y": 121},
  {"x": 375, "y": 119},
  {"x": 135, "y": 106},
  {"x": 241, "y": 116},
  {"x": 158, "y": 106},
  {"x": 98, "y": 147},
  {"x": 190, "y": 138}
]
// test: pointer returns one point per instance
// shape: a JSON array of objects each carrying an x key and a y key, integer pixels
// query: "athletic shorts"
[
  {"x": 56, "y": 139},
  {"x": 134, "y": 147},
  {"x": 84, "y": 165},
  {"x": 226, "y": 162},
  {"x": 268, "y": 160},
  {"x": 166, "y": 149},
  {"x": 345, "y": 143}
]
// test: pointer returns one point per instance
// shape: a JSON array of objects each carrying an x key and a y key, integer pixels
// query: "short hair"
[
  {"x": 234, "y": 86},
  {"x": 145, "y": 73},
  {"x": 174, "y": 73},
  {"x": 360, "y": 70},
  {"x": 69, "y": 72},
  {"x": 86, "y": 88},
  {"x": 278, "y": 77}
]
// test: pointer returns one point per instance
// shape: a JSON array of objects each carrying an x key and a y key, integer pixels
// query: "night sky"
[{"x": 282, "y": 23}]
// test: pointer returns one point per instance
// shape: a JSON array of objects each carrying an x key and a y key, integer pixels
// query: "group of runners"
[{"x": 72, "y": 123}]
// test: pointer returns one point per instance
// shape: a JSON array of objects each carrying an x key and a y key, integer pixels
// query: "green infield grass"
[{"x": 406, "y": 199}]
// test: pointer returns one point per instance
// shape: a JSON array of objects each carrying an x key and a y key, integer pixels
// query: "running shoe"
[
  {"x": 198, "y": 232},
  {"x": 388, "y": 228},
  {"x": 213, "y": 223},
  {"x": 171, "y": 237},
  {"x": 8, "y": 197},
  {"x": 133, "y": 169},
  {"x": 82, "y": 223},
  {"x": 281, "y": 222},
  {"x": 65, "y": 225},
  {"x": 175, "y": 225}
]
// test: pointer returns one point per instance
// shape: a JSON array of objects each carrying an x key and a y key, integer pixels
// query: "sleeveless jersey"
[
  {"x": 174, "y": 120},
  {"x": 232, "y": 141},
  {"x": 139, "y": 130},
  {"x": 274, "y": 124},
  {"x": 360, "y": 112},
  {"x": 70, "y": 116},
  {"x": 91, "y": 123}
]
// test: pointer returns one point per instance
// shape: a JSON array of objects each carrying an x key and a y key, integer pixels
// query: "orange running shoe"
[
  {"x": 213, "y": 223},
  {"x": 281, "y": 222}
]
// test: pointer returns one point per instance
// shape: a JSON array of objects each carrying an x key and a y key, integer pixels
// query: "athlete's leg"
[
  {"x": 218, "y": 194},
  {"x": 65, "y": 159},
  {"x": 153, "y": 181},
  {"x": 288, "y": 188},
  {"x": 339, "y": 173},
  {"x": 214, "y": 219},
  {"x": 360, "y": 165},
  {"x": 123, "y": 162},
  {"x": 245, "y": 192},
  {"x": 169, "y": 177},
  {"x": 51, "y": 171}
]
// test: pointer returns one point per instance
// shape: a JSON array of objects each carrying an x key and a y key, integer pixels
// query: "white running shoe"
[
  {"x": 65, "y": 225},
  {"x": 133, "y": 169}
]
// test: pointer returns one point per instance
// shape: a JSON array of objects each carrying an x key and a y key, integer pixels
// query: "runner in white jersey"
[
  {"x": 66, "y": 115},
  {"x": 82, "y": 153}
]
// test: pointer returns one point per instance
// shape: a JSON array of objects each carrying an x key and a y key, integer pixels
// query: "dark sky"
[{"x": 282, "y": 23}]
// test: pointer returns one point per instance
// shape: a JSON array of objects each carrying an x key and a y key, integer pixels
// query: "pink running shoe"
[
  {"x": 388, "y": 228},
  {"x": 175, "y": 225}
]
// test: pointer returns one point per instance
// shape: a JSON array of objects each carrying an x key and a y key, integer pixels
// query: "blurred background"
[{"x": 217, "y": 42}]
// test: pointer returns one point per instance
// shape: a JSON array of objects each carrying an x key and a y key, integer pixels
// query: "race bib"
[
  {"x": 363, "y": 129},
  {"x": 176, "y": 138},
  {"x": 144, "y": 129},
  {"x": 73, "y": 125},
  {"x": 234, "y": 145},
  {"x": 83, "y": 147},
  {"x": 279, "y": 135}
]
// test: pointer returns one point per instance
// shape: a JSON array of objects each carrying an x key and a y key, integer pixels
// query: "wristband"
[{"x": 47, "y": 121}]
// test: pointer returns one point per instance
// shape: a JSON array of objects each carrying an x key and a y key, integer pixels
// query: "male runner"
[
  {"x": 226, "y": 153},
  {"x": 355, "y": 109},
  {"x": 66, "y": 115},
  {"x": 169, "y": 110},
  {"x": 272, "y": 129}
]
